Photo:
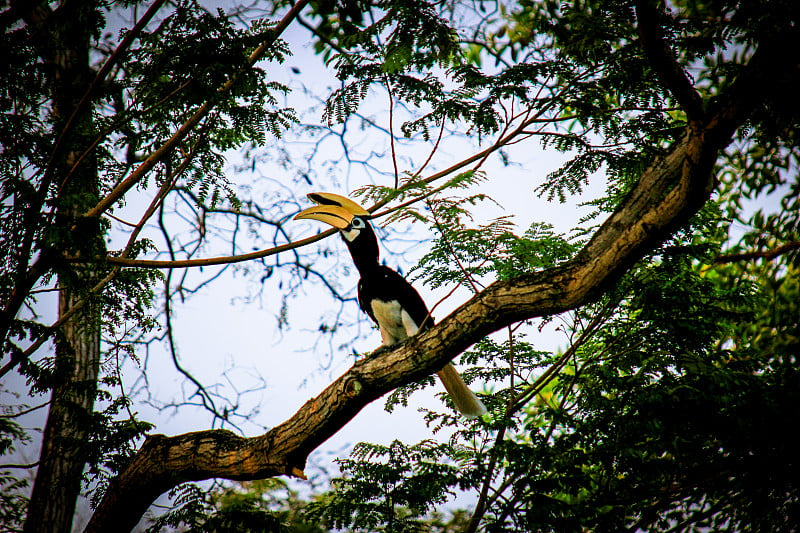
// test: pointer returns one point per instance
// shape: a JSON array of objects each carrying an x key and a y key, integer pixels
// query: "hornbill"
[{"x": 389, "y": 300}]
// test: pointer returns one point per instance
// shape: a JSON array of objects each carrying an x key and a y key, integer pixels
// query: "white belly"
[{"x": 395, "y": 323}]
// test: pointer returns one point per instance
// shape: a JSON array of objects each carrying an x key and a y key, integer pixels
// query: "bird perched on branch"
[{"x": 389, "y": 300}]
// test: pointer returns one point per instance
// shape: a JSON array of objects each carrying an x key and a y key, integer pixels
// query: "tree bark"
[
  {"x": 62, "y": 457},
  {"x": 65, "y": 46}
]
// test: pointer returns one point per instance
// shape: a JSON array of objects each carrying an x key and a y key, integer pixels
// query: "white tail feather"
[{"x": 464, "y": 399}]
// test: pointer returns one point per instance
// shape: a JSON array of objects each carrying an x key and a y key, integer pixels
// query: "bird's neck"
[
  {"x": 366, "y": 264},
  {"x": 365, "y": 254}
]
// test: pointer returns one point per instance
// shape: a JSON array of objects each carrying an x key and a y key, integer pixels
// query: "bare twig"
[
  {"x": 26, "y": 411},
  {"x": 10, "y": 466},
  {"x": 69, "y": 313}
]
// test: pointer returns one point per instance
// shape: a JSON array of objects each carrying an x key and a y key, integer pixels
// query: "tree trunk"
[
  {"x": 65, "y": 48},
  {"x": 62, "y": 458}
]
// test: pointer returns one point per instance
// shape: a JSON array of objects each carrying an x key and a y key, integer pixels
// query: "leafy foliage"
[
  {"x": 387, "y": 488},
  {"x": 663, "y": 413},
  {"x": 258, "y": 506}
]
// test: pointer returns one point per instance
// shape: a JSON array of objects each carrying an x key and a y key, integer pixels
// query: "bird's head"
[{"x": 349, "y": 218}]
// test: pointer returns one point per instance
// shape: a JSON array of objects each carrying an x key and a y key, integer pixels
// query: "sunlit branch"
[
  {"x": 477, "y": 157},
  {"x": 184, "y": 263},
  {"x": 167, "y": 264},
  {"x": 674, "y": 188},
  {"x": 123, "y": 222},
  {"x": 102, "y": 135}
]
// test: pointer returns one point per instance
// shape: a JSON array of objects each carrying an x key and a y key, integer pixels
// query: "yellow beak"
[
  {"x": 333, "y": 209},
  {"x": 328, "y": 198},
  {"x": 336, "y": 216}
]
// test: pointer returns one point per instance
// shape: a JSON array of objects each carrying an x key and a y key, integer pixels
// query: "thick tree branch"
[
  {"x": 666, "y": 195},
  {"x": 670, "y": 191}
]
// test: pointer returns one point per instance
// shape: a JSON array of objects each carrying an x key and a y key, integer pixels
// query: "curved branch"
[
  {"x": 77, "y": 306},
  {"x": 26, "y": 279},
  {"x": 670, "y": 191},
  {"x": 222, "y": 260}
]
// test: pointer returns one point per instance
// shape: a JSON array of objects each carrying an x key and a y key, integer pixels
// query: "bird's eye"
[{"x": 357, "y": 223}]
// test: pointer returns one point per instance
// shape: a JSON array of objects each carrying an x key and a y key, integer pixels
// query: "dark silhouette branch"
[
  {"x": 663, "y": 60},
  {"x": 260, "y": 254},
  {"x": 761, "y": 254},
  {"x": 136, "y": 176},
  {"x": 26, "y": 278},
  {"x": 112, "y": 60},
  {"x": 37, "y": 14},
  {"x": 668, "y": 193}
]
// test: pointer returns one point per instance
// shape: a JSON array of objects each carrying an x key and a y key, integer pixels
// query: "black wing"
[
  {"x": 386, "y": 285},
  {"x": 362, "y": 300}
]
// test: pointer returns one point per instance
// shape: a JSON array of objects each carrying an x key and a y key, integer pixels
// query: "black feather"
[
  {"x": 319, "y": 199},
  {"x": 384, "y": 284}
]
